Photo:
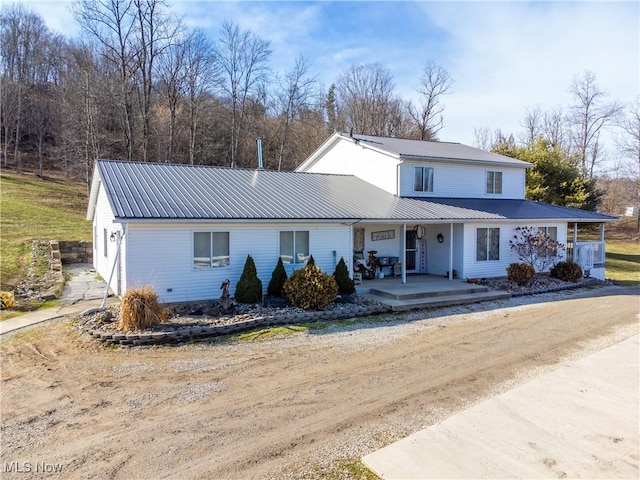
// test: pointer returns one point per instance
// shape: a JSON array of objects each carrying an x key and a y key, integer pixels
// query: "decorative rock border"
[{"x": 190, "y": 333}]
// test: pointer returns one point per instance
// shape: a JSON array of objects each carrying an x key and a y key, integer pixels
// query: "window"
[
  {"x": 423, "y": 179},
  {"x": 552, "y": 233},
  {"x": 210, "y": 249},
  {"x": 494, "y": 182},
  {"x": 488, "y": 244},
  {"x": 294, "y": 247},
  {"x": 105, "y": 242}
]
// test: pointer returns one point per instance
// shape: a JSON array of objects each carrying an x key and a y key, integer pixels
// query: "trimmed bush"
[
  {"x": 310, "y": 289},
  {"x": 140, "y": 309},
  {"x": 278, "y": 277},
  {"x": 7, "y": 300},
  {"x": 566, "y": 271},
  {"x": 311, "y": 260},
  {"x": 521, "y": 273},
  {"x": 249, "y": 287},
  {"x": 346, "y": 285}
]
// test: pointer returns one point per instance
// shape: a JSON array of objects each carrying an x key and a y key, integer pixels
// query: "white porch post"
[
  {"x": 602, "y": 232},
  {"x": 575, "y": 241},
  {"x": 451, "y": 251},
  {"x": 403, "y": 259}
]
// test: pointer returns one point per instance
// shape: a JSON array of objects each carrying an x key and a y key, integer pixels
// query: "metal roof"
[
  {"x": 419, "y": 150},
  {"x": 156, "y": 191},
  {"x": 512, "y": 209}
]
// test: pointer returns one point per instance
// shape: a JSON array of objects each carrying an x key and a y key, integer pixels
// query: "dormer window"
[
  {"x": 494, "y": 182},
  {"x": 423, "y": 179}
]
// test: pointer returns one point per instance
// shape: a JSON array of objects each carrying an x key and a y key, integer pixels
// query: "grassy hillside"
[{"x": 33, "y": 208}]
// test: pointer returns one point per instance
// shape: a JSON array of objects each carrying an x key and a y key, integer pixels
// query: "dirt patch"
[{"x": 303, "y": 405}]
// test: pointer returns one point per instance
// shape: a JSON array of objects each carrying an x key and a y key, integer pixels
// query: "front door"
[{"x": 411, "y": 255}]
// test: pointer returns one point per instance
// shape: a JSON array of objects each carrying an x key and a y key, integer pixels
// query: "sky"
[{"x": 505, "y": 57}]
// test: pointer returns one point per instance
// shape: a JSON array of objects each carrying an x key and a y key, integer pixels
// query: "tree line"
[{"x": 139, "y": 85}]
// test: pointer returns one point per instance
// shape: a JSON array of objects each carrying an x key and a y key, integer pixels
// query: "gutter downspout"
[{"x": 451, "y": 251}]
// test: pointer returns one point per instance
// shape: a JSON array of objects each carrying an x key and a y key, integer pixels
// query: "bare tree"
[
  {"x": 554, "y": 127},
  {"x": 533, "y": 125},
  {"x": 295, "y": 90},
  {"x": 427, "y": 115},
  {"x": 367, "y": 100},
  {"x": 243, "y": 61},
  {"x": 590, "y": 114},
  {"x": 628, "y": 141}
]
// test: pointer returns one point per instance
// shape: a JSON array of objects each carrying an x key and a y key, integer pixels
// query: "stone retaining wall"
[
  {"x": 76, "y": 252},
  {"x": 202, "y": 332}
]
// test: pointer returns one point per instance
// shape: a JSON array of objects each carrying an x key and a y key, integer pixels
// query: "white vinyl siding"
[
  {"x": 175, "y": 280},
  {"x": 494, "y": 182},
  {"x": 423, "y": 179},
  {"x": 462, "y": 181}
]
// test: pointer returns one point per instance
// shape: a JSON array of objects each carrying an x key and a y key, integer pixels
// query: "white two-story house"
[
  {"x": 427, "y": 207},
  {"x": 452, "y": 175}
]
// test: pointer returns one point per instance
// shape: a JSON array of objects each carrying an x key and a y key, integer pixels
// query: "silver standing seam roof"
[
  {"x": 158, "y": 191},
  {"x": 423, "y": 150}
]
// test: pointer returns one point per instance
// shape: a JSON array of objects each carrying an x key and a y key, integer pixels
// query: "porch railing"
[{"x": 587, "y": 254}]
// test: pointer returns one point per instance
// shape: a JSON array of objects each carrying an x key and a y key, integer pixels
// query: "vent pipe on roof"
[{"x": 259, "y": 143}]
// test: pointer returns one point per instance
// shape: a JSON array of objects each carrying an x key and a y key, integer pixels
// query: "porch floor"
[{"x": 424, "y": 291}]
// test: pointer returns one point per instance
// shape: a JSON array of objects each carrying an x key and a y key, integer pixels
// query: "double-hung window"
[
  {"x": 494, "y": 182},
  {"x": 552, "y": 234},
  {"x": 210, "y": 249},
  {"x": 487, "y": 244},
  {"x": 294, "y": 246},
  {"x": 423, "y": 179}
]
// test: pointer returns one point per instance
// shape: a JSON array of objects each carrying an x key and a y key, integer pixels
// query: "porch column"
[
  {"x": 575, "y": 241},
  {"x": 451, "y": 251},
  {"x": 602, "y": 232},
  {"x": 403, "y": 259}
]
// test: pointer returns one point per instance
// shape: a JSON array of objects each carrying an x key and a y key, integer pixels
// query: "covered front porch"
[{"x": 424, "y": 291}]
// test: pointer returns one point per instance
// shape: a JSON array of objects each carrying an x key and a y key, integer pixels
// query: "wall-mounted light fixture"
[
  {"x": 112, "y": 237},
  {"x": 440, "y": 238}
]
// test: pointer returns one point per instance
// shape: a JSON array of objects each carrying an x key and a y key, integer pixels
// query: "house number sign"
[{"x": 383, "y": 235}]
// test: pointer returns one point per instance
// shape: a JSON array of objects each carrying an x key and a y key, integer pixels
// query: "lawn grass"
[
  {"x": 36, "y": 208},
  {"x": 623, "y": 262}
]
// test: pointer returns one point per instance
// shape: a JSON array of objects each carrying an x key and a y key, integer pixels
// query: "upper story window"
[
  {"x": 494, "y": 182},
  {"x": 210, "y": 249},
  {"x": 423, "y": 179},
  {"x": 294, "y": 246}
]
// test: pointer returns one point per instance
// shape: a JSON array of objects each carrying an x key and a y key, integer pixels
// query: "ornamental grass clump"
[
  {"x": 310, "y": 289},
  {"x": 7, "y": 300},
  {"x": 140, "y": 309}
]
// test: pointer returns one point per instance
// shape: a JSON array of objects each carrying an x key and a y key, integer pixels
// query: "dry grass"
[{"x": 140, "y": 309}]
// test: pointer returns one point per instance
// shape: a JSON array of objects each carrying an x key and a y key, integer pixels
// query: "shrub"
[
  {"x": 535, "y": 247},
  {"x": 566, "y": 271},
  {"x": 310, "y": 289},
  {"x": 7, "y": 300},
  {"x": 249, "y": 287},
  {"x": 278, "y": 277},
  {"x": 346, "y": 285},
  {"x": 140, "y": 309},
  {"x": 521, "y": 273},
  {"x": 311, "y": 260}
]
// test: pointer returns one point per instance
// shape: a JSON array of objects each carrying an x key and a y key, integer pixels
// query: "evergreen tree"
[
  {"x": 249, "y": 288},
  {"x": 345, "y": 283},
  {"x": 278, "y": 277}
]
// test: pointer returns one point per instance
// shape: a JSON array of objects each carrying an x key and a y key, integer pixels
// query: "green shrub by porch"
[
  {"x": 568, "y": 271},
  {"x": 278, "y": 277},
  {"x": 521, "y": 273},
  {"x": 249, "y": 287},
  {"x": 346, "y": 285}
]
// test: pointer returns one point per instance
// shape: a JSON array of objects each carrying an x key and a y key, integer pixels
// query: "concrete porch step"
[
  {"x": 403, "y": 305},
  {"x": 410, "y": 292}
]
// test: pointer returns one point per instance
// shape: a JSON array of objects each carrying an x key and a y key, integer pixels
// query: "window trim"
[
  {"x": 211, "y": 265},
  {"x": 431, "y": 176},
  {"x": 487, "y": 252},
  {"x": 493, "y": 175},
  {"x": 294, "y": 257}
]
